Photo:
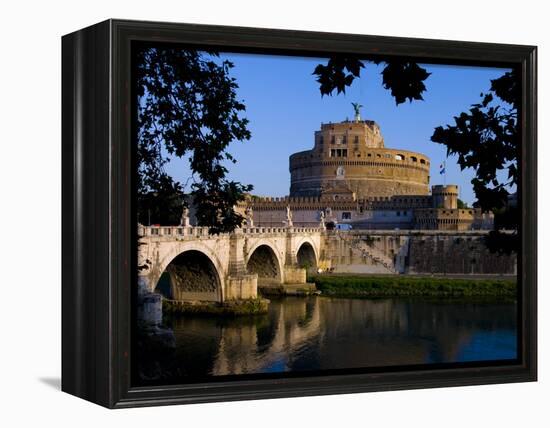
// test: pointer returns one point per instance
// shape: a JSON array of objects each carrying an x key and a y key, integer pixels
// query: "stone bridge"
[{"x": 188, "y": 263}]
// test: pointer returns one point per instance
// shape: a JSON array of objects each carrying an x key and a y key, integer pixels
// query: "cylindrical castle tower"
[
  {"x": 352, "y": 154},
  {"x": 445, "y": 196}
]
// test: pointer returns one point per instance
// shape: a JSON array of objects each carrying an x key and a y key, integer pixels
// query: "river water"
[{"x": 320, "y": 333}]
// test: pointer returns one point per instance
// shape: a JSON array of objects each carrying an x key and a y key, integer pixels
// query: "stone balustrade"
[{"x": 194, "y": 232}]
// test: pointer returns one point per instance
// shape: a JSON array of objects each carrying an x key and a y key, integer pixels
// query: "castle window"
[
  {"x": 422, "y": 161},
  {"x": 404, "y": 212},
  {"x": 369, "y": 155},
  {"x": 339, "y": 153},
  {"x": 378, "y": 156},
  {"x": 332, "y": 139},
  {"x": 398, "y": 213},
  {"x": 346, "y": 215},
  {"x": 399, "y": 157},
  {"x": 414, "y": 159},
  {"x": 344, "y": 140},
  {"x": 321, "y": 140},
  {"x": 356, "y": 140},
  {"x": 387, "y": 155}
]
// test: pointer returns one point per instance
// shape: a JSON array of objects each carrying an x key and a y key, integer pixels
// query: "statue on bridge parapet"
[
  {"x": 288, "y": 222},
  {"x": 184, "y": 221},
  {"x": 249, "y": 216},
  {"x": 322, "y": 224}
]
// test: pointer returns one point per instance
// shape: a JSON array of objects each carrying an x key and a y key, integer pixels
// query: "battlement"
[
  {"x": 449, "y": 189},
  {"x": 453, "y": 219},
  {"x": 341, "y": 203},
  {"x": 349, "y": 125}
]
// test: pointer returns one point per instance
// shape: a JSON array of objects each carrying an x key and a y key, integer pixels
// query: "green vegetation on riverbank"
[
  {"x": 230, "y": 308},
  {"x": 409, "y": 286}
]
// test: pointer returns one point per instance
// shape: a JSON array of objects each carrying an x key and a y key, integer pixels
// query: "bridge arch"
[
  {"x": 263, "y": 259},
  {"x": 306, "y": 257},
  {"x": 311, "y": 246},
  {"x": 194, "y": 271}
]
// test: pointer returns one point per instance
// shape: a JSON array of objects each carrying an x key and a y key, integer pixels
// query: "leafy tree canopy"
[
  {"x": 486, "y": 139},
  {"x": 187, "y": 106},
  {"x": 405, "y": 79}
]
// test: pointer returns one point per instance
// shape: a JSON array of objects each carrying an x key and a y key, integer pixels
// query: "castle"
[{"x": 350, "y": 177}]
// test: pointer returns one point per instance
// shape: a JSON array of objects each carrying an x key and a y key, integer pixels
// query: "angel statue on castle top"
[{"x": 356, "y": 107}]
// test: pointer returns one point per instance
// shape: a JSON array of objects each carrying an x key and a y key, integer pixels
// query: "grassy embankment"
[{"x": 407, "y": 286}]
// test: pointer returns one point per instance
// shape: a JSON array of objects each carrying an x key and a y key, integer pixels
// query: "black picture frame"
[{"x": 98, "y": 224}]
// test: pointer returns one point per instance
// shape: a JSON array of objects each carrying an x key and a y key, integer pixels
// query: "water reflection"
[{"x": 319, "y": 333}]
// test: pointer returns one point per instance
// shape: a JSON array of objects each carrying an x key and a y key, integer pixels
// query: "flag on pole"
[{"x": 442, "y": 168}]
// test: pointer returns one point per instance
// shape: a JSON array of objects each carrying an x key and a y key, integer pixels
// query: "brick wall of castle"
[{"x": 458, "y": 255}]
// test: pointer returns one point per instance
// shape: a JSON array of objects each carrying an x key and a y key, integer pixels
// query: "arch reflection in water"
[{"x": 319, "y": 333}]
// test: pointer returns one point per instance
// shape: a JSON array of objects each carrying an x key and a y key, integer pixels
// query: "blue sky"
[{"x": 284, "y": 106}]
